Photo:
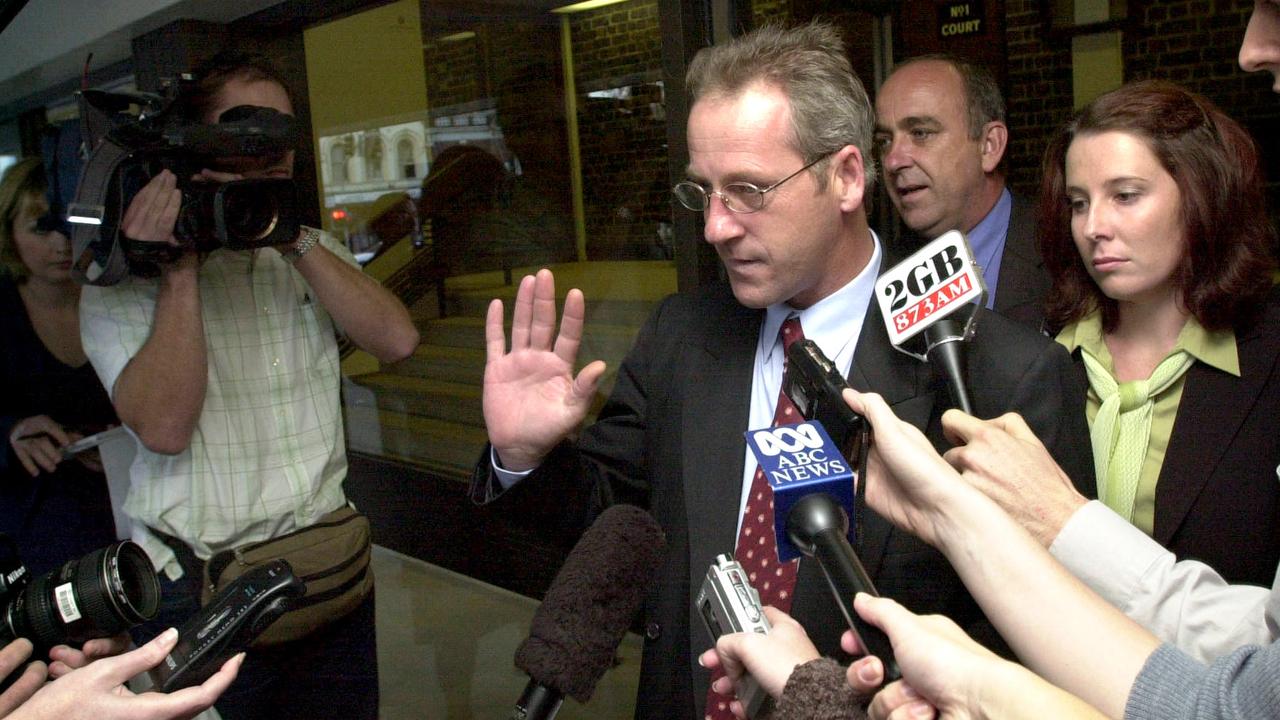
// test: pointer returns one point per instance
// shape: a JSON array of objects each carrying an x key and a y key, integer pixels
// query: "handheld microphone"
[
  {"x": 812, "y": 488},
  {"x": 922, "y": 300},
  {"x": 575, "y": 632},
  {"x": 817, "y": 524}
]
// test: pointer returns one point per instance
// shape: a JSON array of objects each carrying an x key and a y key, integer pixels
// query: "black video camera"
[
  {"x": 132, "y": 137},
  {"x": 99, "y": 595}
]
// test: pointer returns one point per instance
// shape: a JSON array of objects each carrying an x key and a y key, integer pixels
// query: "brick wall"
[
  {"x": 623, "y": 139},
  {"x": 1191, "y": 42},
  {"x": 1039, "y": 91},
  {"x": 454, "y": 70}
]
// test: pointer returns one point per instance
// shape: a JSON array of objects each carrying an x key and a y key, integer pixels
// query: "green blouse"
[{"x": 1217, "y": 349}]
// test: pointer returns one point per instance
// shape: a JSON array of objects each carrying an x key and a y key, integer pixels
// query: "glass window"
[{"x": 522, "y": 138}]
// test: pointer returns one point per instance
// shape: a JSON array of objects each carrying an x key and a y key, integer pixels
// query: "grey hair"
[{"x": 810, "y": 65}]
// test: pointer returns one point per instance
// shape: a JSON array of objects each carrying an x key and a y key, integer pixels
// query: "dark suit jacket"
[
  {"x": 1218, "y": 498},
  {"x": 670, "y": 439},
  {"x": 1023, "y": 282}
]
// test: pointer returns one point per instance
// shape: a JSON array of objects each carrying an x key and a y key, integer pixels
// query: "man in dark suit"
[
  {"x": 778, "y": 134},
  {"x": 941, "y": 136}
]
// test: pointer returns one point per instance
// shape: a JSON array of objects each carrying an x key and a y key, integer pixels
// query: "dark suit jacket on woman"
[
  {"x": 1218, "y": 497},
  {"x": 670, "y": 439}
]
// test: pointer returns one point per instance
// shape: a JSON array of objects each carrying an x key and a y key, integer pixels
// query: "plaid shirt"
[{"x": 267, "y": 455}]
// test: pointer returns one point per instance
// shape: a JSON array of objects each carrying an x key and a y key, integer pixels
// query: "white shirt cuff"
[{"x": 506, "y": 478}]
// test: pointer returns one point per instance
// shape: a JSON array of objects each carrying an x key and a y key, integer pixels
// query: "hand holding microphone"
[
  {"x": 818, "y": 526},
  {"x": 813, "y": 485}
]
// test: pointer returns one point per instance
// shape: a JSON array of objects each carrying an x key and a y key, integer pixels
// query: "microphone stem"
[
  {"x": 945, "y": 343},
  {"x": 537, "y": 702},
  {"x": 846, "y": 577}
]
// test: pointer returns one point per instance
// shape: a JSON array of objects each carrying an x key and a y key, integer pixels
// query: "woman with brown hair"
[
  {"x": 55, "y": 508},
  {"x": 1154, "y": 228}
]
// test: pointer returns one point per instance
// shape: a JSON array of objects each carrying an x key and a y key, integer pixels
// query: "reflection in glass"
[{"x": 467, "y": 149}]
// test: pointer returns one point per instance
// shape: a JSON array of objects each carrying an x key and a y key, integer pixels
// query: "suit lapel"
[
  {"x": 1023, "y": 283},
  {"x": 1214, "y": 405},
  {"x": 716, "y": 411}
]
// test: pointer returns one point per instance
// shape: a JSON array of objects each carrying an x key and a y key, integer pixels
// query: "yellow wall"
[
  {"x": 1097, "y": 66},
  {"x": 366, "y": 66}
]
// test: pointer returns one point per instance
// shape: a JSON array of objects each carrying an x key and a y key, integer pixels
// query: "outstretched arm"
[
  {"x": 946, "y": 672},
  {"x": 97, "y": 691},
  {"x": 1057, "y": 626},
  {"x": 1183, "y": 602}
]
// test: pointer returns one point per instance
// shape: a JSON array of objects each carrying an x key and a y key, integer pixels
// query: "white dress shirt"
[{"x": 834, "y": 323}]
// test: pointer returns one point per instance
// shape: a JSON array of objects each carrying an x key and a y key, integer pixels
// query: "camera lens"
[
  {"x": 101, "y": 594},
  {"x": 250, "y": 216}
]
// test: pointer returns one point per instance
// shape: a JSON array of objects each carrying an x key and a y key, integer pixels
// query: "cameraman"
[{"x": 225, "y": 367}]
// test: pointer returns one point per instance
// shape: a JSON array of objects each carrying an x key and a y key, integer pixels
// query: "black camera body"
[
  {"x": 98, "y": 595},
  {"x": 132, "y": 137}
]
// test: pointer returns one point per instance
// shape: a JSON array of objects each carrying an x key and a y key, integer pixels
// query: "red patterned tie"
[{"x": 757, "y": 549}]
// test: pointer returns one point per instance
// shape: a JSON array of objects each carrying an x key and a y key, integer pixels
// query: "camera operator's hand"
[
  {"x": 37, "y": 441},
  {"x": 11, "y": 658},
  {"x": 63, "y": 659},
  {"x": 98, "y": 692},
  {"x": 153, "y": 212}
]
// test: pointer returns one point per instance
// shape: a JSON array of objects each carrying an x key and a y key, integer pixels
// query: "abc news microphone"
[
  {"x": 928, "y": 309},
  {"x": 576, "y": 630},
  {"x": 812, "y": 496}
]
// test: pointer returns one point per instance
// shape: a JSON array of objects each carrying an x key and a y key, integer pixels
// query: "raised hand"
[{"x": 532, "y": 400}]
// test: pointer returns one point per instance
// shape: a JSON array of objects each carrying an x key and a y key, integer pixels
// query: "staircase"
[{"x": 426, "y": 409}]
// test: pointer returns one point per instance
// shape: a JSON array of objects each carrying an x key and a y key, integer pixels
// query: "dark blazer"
[
  {"x": 1023, "y": 282},
  {"x": 670, "y": 439},
  {"x": 1218, "y": 498}
]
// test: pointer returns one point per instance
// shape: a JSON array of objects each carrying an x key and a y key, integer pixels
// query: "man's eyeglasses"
[{"x": 739, "y": 197}]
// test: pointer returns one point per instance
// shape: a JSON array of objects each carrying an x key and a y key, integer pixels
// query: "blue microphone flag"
[{"x": 798, "y": 460}]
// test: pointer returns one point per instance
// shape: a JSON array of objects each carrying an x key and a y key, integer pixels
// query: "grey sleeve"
[{"x": 1244, "y": 684}]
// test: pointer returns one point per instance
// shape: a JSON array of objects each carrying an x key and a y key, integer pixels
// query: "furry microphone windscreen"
[{"x": 577, "y": 629}]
